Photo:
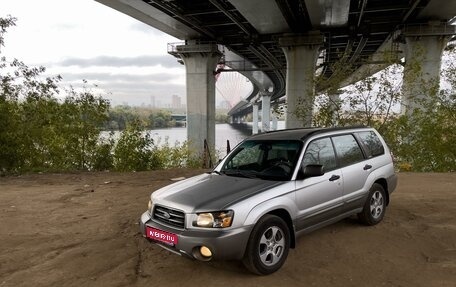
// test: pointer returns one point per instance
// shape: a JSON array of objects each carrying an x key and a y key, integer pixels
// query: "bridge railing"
[{"x": 429, "y": 29}]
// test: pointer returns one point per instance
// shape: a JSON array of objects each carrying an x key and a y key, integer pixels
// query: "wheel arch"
[
  {"x": 282, "y": 213},
  {"x": 384, "y": 184}
]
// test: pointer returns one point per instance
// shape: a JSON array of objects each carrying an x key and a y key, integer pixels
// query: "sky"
[{"x": 84, "y": 39}]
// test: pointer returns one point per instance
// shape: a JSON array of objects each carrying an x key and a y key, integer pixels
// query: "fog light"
[{"x": 206, "y": 252}]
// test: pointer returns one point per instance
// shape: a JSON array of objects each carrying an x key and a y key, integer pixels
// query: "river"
[
  {"x": 223, "y": 132},
  {"x": 234, "y": 133}
]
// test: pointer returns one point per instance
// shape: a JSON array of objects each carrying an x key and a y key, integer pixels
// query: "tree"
[{"x": 38, "y": 131}]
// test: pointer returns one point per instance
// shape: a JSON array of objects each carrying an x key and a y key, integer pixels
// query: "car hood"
[{"x": 210, "y": 192}]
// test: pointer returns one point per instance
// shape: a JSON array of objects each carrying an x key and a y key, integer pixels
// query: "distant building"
[
  {"x": 152, "y": 102},
  {"x": 176, "y": 102}
]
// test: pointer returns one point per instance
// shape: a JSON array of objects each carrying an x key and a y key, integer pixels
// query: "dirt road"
[{"x": 81, "y": 230}]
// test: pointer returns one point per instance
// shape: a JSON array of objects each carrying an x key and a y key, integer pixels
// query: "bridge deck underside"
[{"x": 370, "y": 23}]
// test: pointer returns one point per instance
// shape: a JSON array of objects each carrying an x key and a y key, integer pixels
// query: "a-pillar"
[
  {"x": 200, "y": 62},
  {"x": 423, "y": 52},
  {"x": 255, "y": 118},
  {"x": 301, "y": 52},
  {"x": 265, "y": 112}
]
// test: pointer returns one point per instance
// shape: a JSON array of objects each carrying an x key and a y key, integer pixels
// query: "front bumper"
[{"x": 226, "y": 244}]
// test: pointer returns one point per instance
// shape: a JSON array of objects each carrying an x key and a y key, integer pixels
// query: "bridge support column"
[
  {"x": 301, "y": 52},
  {"x": 200, "y": 62},
  {"x": 423, "y": 52},
  {"x": 274, "y": 122},
  {"x": 255, "y": 119},
  {"x": 265, "y": 112}
]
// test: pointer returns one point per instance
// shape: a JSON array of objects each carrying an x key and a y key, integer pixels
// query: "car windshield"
[{"x": 271, "y": 160}]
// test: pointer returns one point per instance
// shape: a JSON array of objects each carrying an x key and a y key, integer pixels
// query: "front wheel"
[
  {"x": 375, "y": 206},
  {"x": 268, "y": 245}
]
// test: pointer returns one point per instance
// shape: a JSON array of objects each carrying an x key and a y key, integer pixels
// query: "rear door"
[
  {"x": 319, "y": 198},
  {"x": 355, "y": 170}
]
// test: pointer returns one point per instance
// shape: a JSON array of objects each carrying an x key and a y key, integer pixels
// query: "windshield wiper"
[{"x": 240, "y": 172}]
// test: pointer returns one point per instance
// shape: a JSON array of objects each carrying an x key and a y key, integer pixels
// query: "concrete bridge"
[{"x": 280, "y": 44}]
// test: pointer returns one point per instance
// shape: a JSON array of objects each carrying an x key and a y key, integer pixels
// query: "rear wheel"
[
  {"x": 375, "y": 206},
  {"x": 268, "y": 245}
]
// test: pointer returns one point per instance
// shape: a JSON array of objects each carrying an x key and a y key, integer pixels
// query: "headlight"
[
  {"x": 150, "y": 206},
  {"x": 220, "y": 219}
]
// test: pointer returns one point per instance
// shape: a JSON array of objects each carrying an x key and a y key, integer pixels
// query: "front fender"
[{"x": 286, "y": 202}]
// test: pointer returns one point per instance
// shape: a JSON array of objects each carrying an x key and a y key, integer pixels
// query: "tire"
[
  {"x": 374, "y": 207},
  {"x": 268, "y": 245}
]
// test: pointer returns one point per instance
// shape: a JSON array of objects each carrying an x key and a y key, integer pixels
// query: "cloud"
[
  {"x": 65, "y": 27},
  {"x": 120, "y": 78},
  {"x": 121, "y": 88},
  {"x": 111, "y": 61}
]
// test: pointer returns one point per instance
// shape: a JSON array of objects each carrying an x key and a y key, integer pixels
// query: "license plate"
[{"x": 162, "y": 236}]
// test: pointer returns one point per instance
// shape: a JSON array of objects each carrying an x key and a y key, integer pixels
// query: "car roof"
[{"x": 300, "y": 133}]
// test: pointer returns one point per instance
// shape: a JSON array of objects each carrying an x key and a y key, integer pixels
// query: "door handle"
[
  {"x": 334, "y": 177},
  {"x": 367, "y": 166}
]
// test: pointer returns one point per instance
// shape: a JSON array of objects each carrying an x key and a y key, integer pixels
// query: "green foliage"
[
  {"x": 39, "y": 132},
  {"x": 160, "y": 119},
  {"x": 222, "y": 118},
  {"x": 177, "y": 156},
  {"x": 367, "y": 102},
  {"x": 133, "y": 150},
  {"x": 102, "y": 158},
  {"x": 120, "y": 116}
]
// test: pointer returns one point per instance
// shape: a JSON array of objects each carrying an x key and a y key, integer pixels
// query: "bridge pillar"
[
  {"x": 423, "y": 52},
  {"x": 274, "y": 122},
  {"x": 200, "y": 62},
  {"x": 265, "y": 112},
  {"x": 255, "y": 119},
  {"x": 301, "y": 52}
]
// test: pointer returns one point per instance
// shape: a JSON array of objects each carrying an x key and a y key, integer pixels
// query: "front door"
[{"x": 319, "y": 198}]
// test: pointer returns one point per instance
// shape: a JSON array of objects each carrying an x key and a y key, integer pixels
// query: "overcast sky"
[{"x": 84, "y": 39}]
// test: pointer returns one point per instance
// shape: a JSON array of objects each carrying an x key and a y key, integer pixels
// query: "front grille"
[{"x": 169, "y": 216}]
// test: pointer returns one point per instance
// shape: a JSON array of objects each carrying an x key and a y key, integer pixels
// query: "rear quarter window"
[{"x": 372, "y": 143}]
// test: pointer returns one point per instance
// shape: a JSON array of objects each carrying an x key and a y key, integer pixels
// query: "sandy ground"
[{"x": 81, "y": 230}]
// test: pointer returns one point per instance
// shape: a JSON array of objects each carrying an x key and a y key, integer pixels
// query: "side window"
[
  {"x": 372, "y": 143},
  {"x": 347, "y": 149},
  {"x": 320, "y": 151}
]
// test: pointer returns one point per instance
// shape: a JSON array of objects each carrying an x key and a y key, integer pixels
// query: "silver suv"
[{"x": 270, "y": 189}]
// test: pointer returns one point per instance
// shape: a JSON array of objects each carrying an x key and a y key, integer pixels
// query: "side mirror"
[{"x": 312, "y": 170}]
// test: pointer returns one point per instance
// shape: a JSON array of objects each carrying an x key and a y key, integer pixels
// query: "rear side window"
[
  {"x": 370, "y": 140},
  {"x": 347, "y": 150},
  {"x": 321, "y": 152}
]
